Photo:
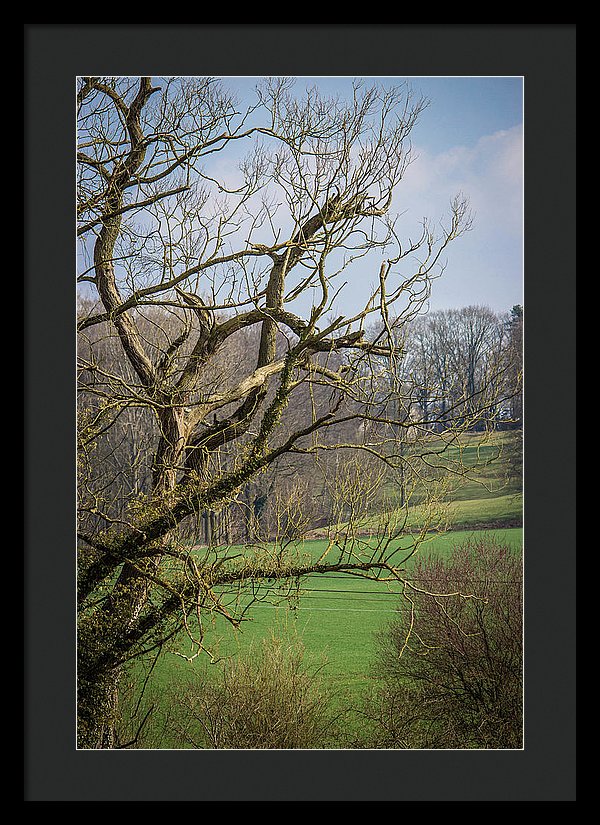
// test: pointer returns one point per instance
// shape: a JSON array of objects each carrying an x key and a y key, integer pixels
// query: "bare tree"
[
  {"x": 458, "y": 363},
  {"x": 212, "y": 306},
  {"x": 514, "y": 355}
]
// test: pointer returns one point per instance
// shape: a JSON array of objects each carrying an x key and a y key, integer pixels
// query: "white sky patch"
[
  {"x": 485, "y": 266},
  {"x": 490, "y": 174}
]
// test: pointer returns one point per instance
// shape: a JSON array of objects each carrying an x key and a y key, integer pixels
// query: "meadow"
[{"x": 335, "y": 616}]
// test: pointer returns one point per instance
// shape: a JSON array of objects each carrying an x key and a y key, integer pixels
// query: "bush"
[
  {"x": 449, "y": 667},
  {"x": 266, "y": 698}
]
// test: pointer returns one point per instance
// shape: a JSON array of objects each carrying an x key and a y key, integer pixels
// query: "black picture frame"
[{"x": 544, "y": 55}]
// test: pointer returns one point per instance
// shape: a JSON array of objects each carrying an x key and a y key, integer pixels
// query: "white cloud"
[
  {"x": 490, "y": 174},
  {"x": 485, "y": 266}
]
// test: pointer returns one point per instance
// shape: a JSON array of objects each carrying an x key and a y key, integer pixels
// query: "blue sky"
[{"x": 470, "y": 140}]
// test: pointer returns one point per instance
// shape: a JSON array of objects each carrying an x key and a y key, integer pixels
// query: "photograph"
[{"x": 300, "y": 391}]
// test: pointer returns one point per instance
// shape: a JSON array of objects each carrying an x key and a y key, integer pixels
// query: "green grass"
[
  {"x": 476, "y": 482},
  {"x": 483, "y": 464},
  {"x": 488, "y": 511},
  {"x": 507, "y": 508},
  {"x": 335, "y": 617}
]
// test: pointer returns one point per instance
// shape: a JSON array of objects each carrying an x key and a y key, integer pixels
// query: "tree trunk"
[
  {"x": 101, "y": 655},
  {"x": 100, "y": 659},
  {"x": 97, "y": 710}
]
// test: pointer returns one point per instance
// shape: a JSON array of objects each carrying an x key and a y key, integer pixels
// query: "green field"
[
  {"x": 482, "y": 488},
  {"x": 335, "y": 616}
]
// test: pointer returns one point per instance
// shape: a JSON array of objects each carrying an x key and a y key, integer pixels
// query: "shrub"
[
  {"x": 266, "y": 698},
  {"x": 449, "y": 667}
]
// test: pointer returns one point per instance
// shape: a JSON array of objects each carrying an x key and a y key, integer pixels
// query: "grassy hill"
[{"x": 481, "y": 488}]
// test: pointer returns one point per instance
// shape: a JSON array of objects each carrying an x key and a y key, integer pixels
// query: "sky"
[{"x": 468, "y": 140}]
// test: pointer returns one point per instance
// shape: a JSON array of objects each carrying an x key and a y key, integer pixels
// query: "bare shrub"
[
  {"x": 266, "y": 698},
  {"x": 450, "y": 665}
]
